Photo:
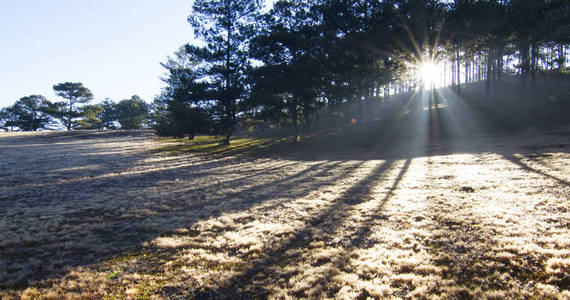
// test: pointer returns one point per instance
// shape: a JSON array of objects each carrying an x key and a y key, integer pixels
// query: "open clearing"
[{"x": 101, "y": 215}]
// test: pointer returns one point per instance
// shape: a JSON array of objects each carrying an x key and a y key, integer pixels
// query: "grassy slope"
[{"x": 450, "y": 200}]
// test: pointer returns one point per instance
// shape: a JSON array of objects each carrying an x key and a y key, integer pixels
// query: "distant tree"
[
  {"x": 6, "y": 119},
  {"x": 109, "y": 114},
  {"x": 131, "y": 113},
  {"x": 157, "y": 111},
  {"x": 58, "y": 111},
  {"x": 91, "y": 117},
  {"x": 28, "y": 113},
  {"x": 76, "y": 94}
]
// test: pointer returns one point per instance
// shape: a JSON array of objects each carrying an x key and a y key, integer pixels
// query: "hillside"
[{"x": 109, "y": 214}]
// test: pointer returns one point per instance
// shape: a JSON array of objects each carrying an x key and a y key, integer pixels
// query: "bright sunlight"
[{"x": 431, "y": 73}]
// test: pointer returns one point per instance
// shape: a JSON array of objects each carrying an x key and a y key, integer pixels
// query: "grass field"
[{"x": 428, "y": 203}]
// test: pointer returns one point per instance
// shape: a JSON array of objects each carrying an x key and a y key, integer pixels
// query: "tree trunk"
[
  {"x": 500, "y": 70},
  {"x": 525, "y": 64},
  {"x": 466, "y": 71},
  {"x": 561, "y": 57},
  {"x": 70, "y": 115},
  {"x": 226, "y": 141},
  {"x": 306, "y": 116},
  {"x": 444, "y": 73},
  {"x": 359, "y": 118},
  {"x": 525, "y": 70},
  {"x": 295, "y": 118},
  {"x": 228, "y": 101},
  {"x": 317, "y": 120},
  {"x": 534, "y": 63},
  {"x": 453, "y": 74},
  {"x": 488, "y": 82},
  {"x": 458, "y": 72}
]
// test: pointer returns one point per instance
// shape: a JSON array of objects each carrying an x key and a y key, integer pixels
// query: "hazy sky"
[{"x": 113, "y": 47}]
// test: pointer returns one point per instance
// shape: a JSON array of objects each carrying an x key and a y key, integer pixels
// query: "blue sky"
[{"x": 113, "y": 47}]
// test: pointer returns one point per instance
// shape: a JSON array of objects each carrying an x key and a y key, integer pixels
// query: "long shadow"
[
  {"x": 108, "y": 230},
  {"x": 79, "y": 154},
  {"x": 129, "y": 166},
  {"x": 111, "y": 200},
  {"x": 70, "y": 152},
  {"x": 360, "y": 237},
  {"x": 510, "y": 157},
  {"x": 281, "y": 185},
  {"x": 466, "y": 254},
  {"x": 85, "y": 215},
  {"x": 202, "y": 206},
  {"x": 351, "y": 197},
  {"x": 303, "y": 184}
]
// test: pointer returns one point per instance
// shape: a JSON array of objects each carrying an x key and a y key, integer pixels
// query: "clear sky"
[{"x": 113, "y": 47}]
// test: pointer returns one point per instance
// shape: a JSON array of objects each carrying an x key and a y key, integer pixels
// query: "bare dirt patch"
[{"x": 102, "y": 215}]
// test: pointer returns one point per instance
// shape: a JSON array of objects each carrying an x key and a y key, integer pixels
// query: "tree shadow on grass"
[
  {"x": 57, "y": 226},
  {"x": 96, "y": 219},
  {"x": 241, "y": 285},
  {"x": 517, "y": 161}
]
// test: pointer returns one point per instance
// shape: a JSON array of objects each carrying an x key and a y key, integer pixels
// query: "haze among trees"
[
  {"x": 286, "y": 64},
  {"x": 289, "y": 65}
]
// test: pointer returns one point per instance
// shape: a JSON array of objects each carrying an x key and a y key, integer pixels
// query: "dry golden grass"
[{"x": 106, "y": 216}]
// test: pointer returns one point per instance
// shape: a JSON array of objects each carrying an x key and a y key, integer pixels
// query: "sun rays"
[{"x": 431, "y": 73}]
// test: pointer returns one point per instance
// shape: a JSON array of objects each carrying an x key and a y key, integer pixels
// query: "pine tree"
[
  {"x": 226, "y": 27},
  {"x": 28, "y": 113},
  {"x": 76, "y": 94}
]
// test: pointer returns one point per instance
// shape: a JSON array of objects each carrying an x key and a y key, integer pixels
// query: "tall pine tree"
[{"x": 225, "y": 27}]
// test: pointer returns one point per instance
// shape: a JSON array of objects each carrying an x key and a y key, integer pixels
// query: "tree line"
[
  {"x": 36, "y": 112},
  {"x": 290, "y": 61}
]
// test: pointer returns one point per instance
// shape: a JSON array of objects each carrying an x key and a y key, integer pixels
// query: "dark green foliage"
[
  {"x": 76, "y": 94},
  {"x": 60, "y": 111},
  {"x": 108, "y": 116},
  {"x": 338, "y": 53},
  {"x": 183, "y": 121},
  {"x": 207, "y": 86},
  {"x": 131, "y": 113},
  {"x": 180, "y": 109},
  {"x": 6, "y": 119},
  {"x": 218, "y": 80},
  {"x": 90, "y": 117},
  {"x": 28, "y": 114},
  {"x": 292, "y": 51}
]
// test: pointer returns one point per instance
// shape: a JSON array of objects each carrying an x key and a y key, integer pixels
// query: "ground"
[{"x": 114, "y": 215}]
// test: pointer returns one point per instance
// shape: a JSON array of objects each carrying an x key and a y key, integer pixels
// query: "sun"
[{"x": 430, "y": 73}]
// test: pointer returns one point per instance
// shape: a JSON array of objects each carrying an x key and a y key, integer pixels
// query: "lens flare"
[{"x": 431, "y": 73}]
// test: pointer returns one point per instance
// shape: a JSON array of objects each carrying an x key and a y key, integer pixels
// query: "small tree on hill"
[
  {"x": 131, "y": 113},
  {"x": 91, "y": 117},
  {"x": 109, "y": 114},
  {"x": 28, "y": 113},
  {"x": 75, "y": 93}
]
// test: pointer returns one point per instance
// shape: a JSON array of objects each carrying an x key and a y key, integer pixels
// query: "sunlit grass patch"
[
  {"x": 150, "y": 226},
  {"x": 213, "y": 145}
]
